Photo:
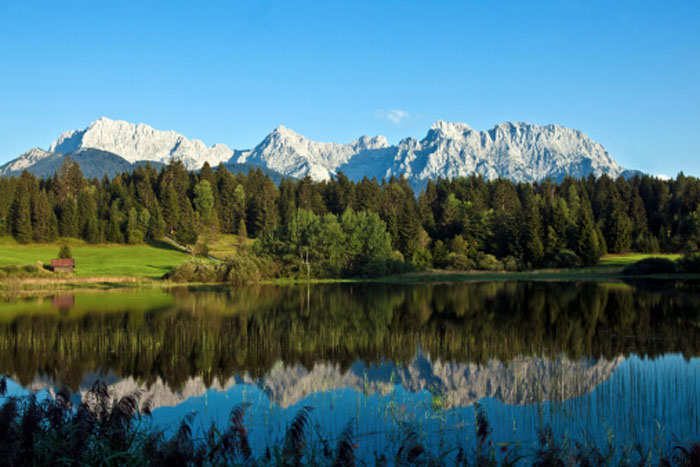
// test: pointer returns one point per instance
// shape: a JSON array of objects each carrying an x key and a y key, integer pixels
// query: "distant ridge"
[{"x": 517, "y": 151}]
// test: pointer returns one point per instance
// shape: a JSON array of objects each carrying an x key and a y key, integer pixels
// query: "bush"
[
  {"x": 65, "y": 252},
  {"x": 511, "y": 264},
  {"x": 488, "y": 263},
  {"x": 134, "y": 237},
  {"x": 650, "y": 266},
  {"x": 200, "y": 249},
  {"x": 24, "y": 271},
  {"x": 459, "y": 262},
  {"x": 238, "y": 270},
  {"x": 564, "y": 259}
]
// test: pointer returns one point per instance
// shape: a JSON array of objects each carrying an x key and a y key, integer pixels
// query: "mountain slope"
[
  {"x": 517, "y": 151},
  {"x": 93, "y": 162},
  {"x": 140, "y": 142},
  {"x": 289, "y": 153}
]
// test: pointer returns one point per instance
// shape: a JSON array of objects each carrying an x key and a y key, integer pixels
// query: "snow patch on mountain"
[
  {"x": 140, "y": 142},
  {"x": 294, "y": 155},
  {"x": 520, "y": 151},
  {"x": 24, "y": 161}
]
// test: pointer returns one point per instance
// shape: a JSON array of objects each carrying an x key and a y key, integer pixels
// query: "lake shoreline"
[{"x": 32, "y": 285}]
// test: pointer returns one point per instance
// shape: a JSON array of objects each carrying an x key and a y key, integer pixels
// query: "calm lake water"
[{"x": 590, "y": 360}]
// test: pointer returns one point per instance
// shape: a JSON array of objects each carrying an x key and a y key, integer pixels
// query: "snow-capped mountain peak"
[
  {"x": 140, "y": 142},
  {"x": 294, "y": 155},
  {"x": 519, "y": 151}
]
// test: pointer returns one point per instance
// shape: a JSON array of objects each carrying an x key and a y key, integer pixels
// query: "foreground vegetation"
[{"x": 106, "y": 431}]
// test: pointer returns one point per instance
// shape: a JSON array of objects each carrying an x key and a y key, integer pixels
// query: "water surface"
[{"x": 590, "y": 360}]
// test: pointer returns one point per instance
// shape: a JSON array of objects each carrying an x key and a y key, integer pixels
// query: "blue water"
[{"x": 651, "y": 402}]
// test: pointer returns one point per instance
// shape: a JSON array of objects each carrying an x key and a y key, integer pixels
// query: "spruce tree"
[
  {"x": 41, "y": 229},
  {"x": 68, "y": 218},
  {"x": 22, "y": 215}
]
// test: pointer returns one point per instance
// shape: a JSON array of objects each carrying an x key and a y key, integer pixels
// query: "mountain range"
[{"x": 517, "y": 151}]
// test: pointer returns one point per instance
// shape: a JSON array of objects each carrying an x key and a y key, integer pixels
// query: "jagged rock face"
[
  {"x": 518, "y": 151},
  {"x": 287, "y": 152},
  {"x": 25, "y": 161},
  {"x": 141, "y": 143},
  {"x": 521, "y": 381}
]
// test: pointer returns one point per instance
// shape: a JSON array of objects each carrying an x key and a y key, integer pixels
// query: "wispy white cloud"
[{"x": 395, "y": 116}]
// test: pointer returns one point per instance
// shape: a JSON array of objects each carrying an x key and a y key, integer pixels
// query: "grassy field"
[
  {"x": 154, "y": 260},
  {"x": 620, "y": 261},
  {"x": 609, "y": 267},
  {"x": 142, "y": 261},
  {"x": 227, "y": 245}
]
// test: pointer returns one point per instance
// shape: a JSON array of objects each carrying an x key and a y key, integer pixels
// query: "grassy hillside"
[{"x": 148, "y": 261}]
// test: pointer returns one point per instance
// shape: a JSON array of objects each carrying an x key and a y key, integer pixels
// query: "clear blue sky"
[{"x": 626, "y": 73}]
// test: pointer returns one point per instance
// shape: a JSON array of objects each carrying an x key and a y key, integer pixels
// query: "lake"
[{"x": 590, "y": 361}]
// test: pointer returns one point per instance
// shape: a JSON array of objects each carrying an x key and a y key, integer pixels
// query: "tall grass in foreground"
[{"x": 104, "y": 430}]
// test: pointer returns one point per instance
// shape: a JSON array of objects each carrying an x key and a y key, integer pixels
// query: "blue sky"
[{"x": 626, "y": 73}]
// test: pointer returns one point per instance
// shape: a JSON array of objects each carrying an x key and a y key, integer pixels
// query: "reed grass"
[{"x": 103, "y": 430}]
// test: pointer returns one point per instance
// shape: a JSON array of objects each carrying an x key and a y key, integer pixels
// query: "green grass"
[
  {"x": 609, "y": 268},
  {"x": 227, "y": 245},
  {"x": 141, "y": 261},
  {"x": 620, "y": 261}
]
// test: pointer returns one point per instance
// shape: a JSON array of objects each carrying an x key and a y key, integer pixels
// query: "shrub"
[
  {"x": 24, "y": 271},
  {"x": 459, "y": 261},
  {"x": 239, "y": 269},
  {"x": 564, "y": 259},
  {"x": 510, "y": 263},
  {"x": 488, "y": 263},
  {"x": 200, "y": 249},
  {"x": 134, "y": 237},
  {"x": 650, "y": 266},
  {"x": 65, "y": 252}
]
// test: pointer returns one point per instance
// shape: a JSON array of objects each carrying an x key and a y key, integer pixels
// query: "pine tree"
[
  {"x": 204, "y": 205},
  {"x": 68, "y": 218},
  {"x": 87, "y": 215},
  {"x": 133, "y": 233},
  {"x": 22, "y": 215},
  {"x": 41, "y": 229},
  {"x": 228, "y": 215},
  {"x": 69, "y": 179},
  {"x": 156, "y": 226},
  {"x": 588, "y": 247},
  {"x": 171, "y": 209}
]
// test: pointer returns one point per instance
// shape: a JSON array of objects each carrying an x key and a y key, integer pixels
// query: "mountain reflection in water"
[{"x": 582, "y": 357}]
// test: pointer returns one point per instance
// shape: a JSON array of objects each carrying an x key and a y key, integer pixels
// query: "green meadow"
[
  {"x": 153, "y": 261},
  {"x": 609, "y": 267},
  {"x": 140, "y": 261}
]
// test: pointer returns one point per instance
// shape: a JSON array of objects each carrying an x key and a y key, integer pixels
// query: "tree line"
[{"x": 339, "y": 226}]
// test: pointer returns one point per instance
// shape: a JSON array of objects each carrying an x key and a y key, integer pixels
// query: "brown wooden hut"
[{"x": 63, "y": 265}]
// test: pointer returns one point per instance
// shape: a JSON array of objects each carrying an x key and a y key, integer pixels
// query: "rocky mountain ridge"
[{"x": 518, "y": 151}]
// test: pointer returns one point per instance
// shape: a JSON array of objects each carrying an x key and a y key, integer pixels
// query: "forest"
[{"x": 340, "y": 228}]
